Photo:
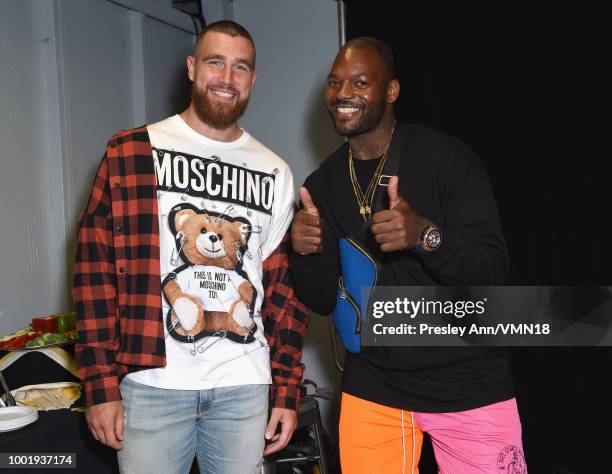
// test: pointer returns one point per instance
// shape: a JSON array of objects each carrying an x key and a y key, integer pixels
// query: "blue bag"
[
  {"x": 358, "y": 265},
  {"x": 358, "y": 268}
]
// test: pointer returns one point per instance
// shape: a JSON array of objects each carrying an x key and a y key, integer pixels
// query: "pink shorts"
[{"x": 379, "y": 439}]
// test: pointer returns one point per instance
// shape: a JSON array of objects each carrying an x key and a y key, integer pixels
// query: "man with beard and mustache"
[
  {"x": 164, "y": 381},
  {"x": 434, "y": 222}
]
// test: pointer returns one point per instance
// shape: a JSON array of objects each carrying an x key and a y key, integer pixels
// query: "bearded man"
[
  {"x": 439, "y": 226},
  {"x": 187, "y": 321}
]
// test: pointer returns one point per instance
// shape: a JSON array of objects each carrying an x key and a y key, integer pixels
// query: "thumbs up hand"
[
  {"x": 306, "y": 230},
  {"x": 398, "y": 227},
  {"x": 307, "y": 202}
]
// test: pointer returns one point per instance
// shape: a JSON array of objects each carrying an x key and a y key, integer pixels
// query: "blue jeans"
[{"x": 223, "y": 427}]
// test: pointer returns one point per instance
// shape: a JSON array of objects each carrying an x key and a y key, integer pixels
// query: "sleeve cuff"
[
  {"x": 287, "y": 396},
  {"x": 102, "y": 390}
]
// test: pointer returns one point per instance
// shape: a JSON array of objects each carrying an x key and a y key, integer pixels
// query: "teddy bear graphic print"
[
  {"x": 209, "y": 293},
  {"x": 223, "y": 208}
]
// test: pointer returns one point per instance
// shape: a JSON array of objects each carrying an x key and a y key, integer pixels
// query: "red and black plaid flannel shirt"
[{"x": 117, "y": 286}]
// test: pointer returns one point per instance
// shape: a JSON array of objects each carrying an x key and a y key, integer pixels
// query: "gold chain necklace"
[{"x": 364, "y": 200}]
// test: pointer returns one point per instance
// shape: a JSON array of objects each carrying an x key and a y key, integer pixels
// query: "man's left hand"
[
  {"x": 288, "y": 421},
  {"x": 398, "y": 227}
]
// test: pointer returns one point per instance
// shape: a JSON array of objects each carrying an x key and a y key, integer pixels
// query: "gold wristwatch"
[{"x": 431, "y": 239}]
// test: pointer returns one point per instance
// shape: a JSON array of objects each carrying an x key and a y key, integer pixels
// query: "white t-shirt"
[{"x": 223, "y": 209}]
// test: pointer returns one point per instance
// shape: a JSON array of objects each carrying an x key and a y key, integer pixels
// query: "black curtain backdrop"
[{"x": 527, "y": 84}]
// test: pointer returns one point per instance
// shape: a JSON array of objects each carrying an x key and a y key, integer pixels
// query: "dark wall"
[{"x": 527, "y": 84}]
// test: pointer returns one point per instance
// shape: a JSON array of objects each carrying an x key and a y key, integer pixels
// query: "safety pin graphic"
[
  {"x": 239, "y": 252},
  {"x": 228, "y": 210},
  {"x": 166, "y": 214},
  {"x": 251, "y": 229},
  {"x": 161, "y": 193},
  {"x": 220, "y": 334},
  {"x": 267, "y": 179},
  {"x": 247, "y": 204},
  {"x": 245, "y": 251},
  {"x": 173, "y": 326},
  {"x": 203, "y": 203},
  {"x": 184, "y": 195},
  {"x": 244, "y": 343},
  {"x": 203, "y": 207},
  {"x": 174, "y": 257}
]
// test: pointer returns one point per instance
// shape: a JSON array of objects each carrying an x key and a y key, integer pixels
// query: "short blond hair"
[{"x": 229, "y": 28}]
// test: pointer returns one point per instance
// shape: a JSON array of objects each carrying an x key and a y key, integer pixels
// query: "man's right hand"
[
  {"x": 105, "y": 422},
  {"x": 306, "y": 231}
]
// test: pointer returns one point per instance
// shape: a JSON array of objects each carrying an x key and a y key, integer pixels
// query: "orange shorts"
[{"x": 376, "y": 439}]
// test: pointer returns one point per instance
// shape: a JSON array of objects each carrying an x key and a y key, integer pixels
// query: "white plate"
[{"x": 13, "y": 418}]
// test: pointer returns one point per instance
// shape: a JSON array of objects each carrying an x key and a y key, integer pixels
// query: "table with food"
[
  {"x": 40, "y": 395},
  {"x": 44, "y": 331}
]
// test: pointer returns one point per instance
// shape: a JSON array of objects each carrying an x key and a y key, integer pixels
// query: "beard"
[
  {"x": 370, "y": 119},
  {"x": 217, "y": 115}
]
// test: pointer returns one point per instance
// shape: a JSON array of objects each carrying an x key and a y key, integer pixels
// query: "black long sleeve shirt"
[{"x": 444, "y": 181}]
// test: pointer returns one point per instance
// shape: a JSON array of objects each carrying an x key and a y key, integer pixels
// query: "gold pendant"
[{"x": 363, "y": 210}]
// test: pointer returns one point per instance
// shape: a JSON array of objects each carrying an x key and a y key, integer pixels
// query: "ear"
[
  {"x": 393, "y": 90},
  {"x": 190, "y": 67},
  {"x": 181, "y": 217},
  {"x": 254, "y": 78}
]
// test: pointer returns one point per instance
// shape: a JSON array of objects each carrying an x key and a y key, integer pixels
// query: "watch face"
[{"x": 433, "y": 238}]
